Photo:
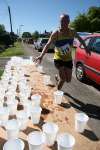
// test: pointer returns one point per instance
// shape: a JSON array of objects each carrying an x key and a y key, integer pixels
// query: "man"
[{"x": 63, "y": 40}]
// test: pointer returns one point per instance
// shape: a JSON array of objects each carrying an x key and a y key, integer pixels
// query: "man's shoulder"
[{"x": 73, "y": 31}]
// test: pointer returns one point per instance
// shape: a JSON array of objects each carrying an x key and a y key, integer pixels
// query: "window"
[
  {"x": 96, "y": 45},
  {"x": 87, "y": 42}
]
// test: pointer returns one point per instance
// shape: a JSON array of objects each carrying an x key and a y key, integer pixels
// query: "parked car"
[
  {"x": 76, "y": 42},
  {"x": 39, "y": 45},
  {"x": 88, "y": 65}
]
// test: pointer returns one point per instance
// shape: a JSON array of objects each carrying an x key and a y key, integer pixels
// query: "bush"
[{"x": 5, "y": 39}]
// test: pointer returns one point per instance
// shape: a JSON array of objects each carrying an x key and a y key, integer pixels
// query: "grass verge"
[
  {"x": 1, "y": 72},
  {"x": 16, "y": 50}
]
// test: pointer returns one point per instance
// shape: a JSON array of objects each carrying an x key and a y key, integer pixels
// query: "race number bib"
[{"x": 64, "y": 49}]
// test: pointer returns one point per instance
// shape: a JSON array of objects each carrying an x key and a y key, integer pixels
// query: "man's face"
[{"x": 64, "y": 21}]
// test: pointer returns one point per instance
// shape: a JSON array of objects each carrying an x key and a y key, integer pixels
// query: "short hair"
[{"x": 65, "y": 16}]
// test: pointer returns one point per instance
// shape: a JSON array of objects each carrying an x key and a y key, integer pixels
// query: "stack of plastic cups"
[
  {"x": 14, "y": 144},
  {"x": 58, "y": 97},
  {"x": 65, "y": 141},
  {"x": 81, "y": 120},
  {"x": 23, "y": 118},
  {"x": 27, "y": 107},
  {"x": 12, "y": 105},
  {"x": 35, "y": 114},
  {"x": 4, "y": 114},
  {"x": 12, "y": 128},
  {"x": 50, "y": 130},
  {"x": 36, "y": 100},
  {"x": 36, "y": 140}
]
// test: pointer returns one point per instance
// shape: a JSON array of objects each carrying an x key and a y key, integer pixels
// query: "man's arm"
[
  {"x": 45, "y": 49},
  {"x": 82, "y": 42},
  {"x": 51, "y": 40}
]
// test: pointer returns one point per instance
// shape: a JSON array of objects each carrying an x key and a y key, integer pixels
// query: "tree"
[
  {"x": 95, "y": 25},
  {"x": 26, "y": 35},
  {"x": 5, "y": 39},
  {"x": 81, "y": 23},
  {"x": 93, "y": 12},
  {"x": 2, "y": 28},
  {"x": 35, "y": 35},
  {"x": 88, "y": 21}
]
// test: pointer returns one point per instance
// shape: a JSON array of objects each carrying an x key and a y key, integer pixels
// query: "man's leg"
[
  {"x": 62, "y": 78},
  {"x": 68, "y": 72}
]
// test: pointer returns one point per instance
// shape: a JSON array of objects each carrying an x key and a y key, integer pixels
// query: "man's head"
[{"x": 64, "y": 20}]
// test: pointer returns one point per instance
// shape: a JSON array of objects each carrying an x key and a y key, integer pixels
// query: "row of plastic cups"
[
  {"x": 34, "y": 112},
  {"x": 15, "y": 125},
  {"x": 29, "y": 111},
  {"x": 49, "y": 136},
  {"x": 36, "y": 139},
  {"x": 58, "y": 97}
]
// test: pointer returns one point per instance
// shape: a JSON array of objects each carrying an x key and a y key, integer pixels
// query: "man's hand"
[{"x": 38, "y": 59}]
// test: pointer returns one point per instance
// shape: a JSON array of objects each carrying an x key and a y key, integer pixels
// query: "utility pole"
[
  {"x": 10, "y": 19},
  {"x": 9, "y": 11}
]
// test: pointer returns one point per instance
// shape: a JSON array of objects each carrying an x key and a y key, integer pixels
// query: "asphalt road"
[{"x": 81, "y": 96}]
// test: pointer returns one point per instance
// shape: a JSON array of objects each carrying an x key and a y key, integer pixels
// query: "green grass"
[
  {"x": 17, "y": 50},
  {"x": 1, "y": 72}
]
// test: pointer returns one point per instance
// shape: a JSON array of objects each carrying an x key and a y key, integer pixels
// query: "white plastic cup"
[
  {"x": 4, "y": 114},
  {"x": 23, "y": 118},
  {"x": 81, "y": 120},
  {"x": 50, "y": 130},
  {"x": 12, "y": 105},
  {"x": 36, "y": 140},
  {"x": 58, "y": 96},
  {"x": 12, "y": 128},
  {"x": 40, "y": 69},
  {"x": 35, "y": 114},
  {"x": 46, "y": 79},
  {"x": 27, "y": 107},
  {"x": 36, "y": 100},
  {"x": 14, "y": 144},
  {"x": 65, "y": 141},
  {"x": 31, "y": 60}
]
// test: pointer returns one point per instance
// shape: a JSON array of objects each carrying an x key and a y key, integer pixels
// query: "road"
[{"x": 83, "y": 97}]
